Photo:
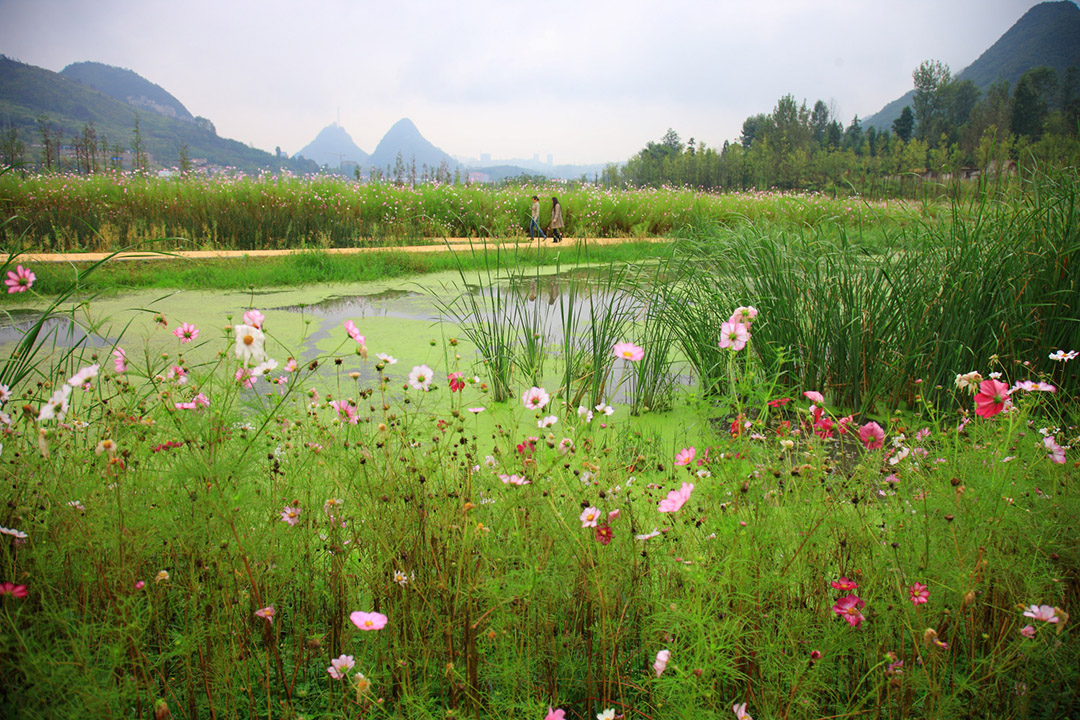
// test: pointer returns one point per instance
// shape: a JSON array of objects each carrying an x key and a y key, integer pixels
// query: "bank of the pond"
[{"x": 229, "y": 270}]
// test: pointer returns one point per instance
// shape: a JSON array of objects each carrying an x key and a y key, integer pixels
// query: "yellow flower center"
[{"x": 248, "y": 339}]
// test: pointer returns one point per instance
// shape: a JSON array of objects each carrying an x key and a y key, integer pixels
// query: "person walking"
[
  {"x": 534, "y": 223},
  {"x": 556, "y": 220}
]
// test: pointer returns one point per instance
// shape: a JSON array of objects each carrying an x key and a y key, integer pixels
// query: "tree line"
[{"x": 951, "y": 131}]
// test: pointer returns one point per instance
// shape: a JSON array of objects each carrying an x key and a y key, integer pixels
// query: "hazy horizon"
[{"x": 586, "y": 82}]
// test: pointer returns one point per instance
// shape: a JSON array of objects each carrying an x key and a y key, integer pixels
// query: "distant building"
[
  {"x": 550, "y": 159},
  {"x": 479, "y": 177}
]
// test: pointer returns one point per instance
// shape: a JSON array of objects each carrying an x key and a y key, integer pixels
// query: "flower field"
[{"x": 864, "y": 503}]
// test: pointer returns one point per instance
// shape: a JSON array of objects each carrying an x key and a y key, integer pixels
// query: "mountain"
[
  {"x": 29, "y": 93},
  {"x": 405, "y": 139},
  {"x": 332, "y": 147},
  {"x": 1048, "y": 34},
  {"x": 128, "y": 87}
]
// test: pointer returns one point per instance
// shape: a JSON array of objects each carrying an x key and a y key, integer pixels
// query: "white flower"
[
  {"x": 387, "y": 359},
  {"x": 606, "y": 409},
  {"x": 83, "y": 376},
  {"x": 56, "y": 406},
  {"x": 420, "y": 377},
  {"x": 401, "y": 578},
  {"x": 264, "y": 367},
  {"x": 608, "y": 714},
  {"x": 249, "y": 344},
  {"x": 490, "y": 461},
  {"x": 5, "y": 394},
  {"x": 647, "y": 536},
  {"x": 17, "y": 534},
  {"x": 969, "y": 381},
  {"x": 546, "y": 422},
  {"x": 1062, "y": 356}
]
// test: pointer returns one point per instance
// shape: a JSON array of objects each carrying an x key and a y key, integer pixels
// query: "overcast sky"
[{"x": 586, "y": 81}]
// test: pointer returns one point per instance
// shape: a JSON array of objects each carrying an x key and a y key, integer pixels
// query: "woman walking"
[
  {"x": 556, "y": 220},
  {"x": 534, "y": 223}
]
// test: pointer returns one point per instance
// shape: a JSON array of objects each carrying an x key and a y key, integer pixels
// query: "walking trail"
[{"x": 457, "y": 244}]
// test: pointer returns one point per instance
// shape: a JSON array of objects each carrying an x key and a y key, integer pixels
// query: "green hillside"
[
  {"x": 127, "y": 86},
  {"x": 1047, "y": 35},
  {"x": 28, "y": 92}
]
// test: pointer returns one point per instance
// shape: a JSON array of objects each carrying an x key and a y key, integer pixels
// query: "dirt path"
[{"x": 460, "y": 244}]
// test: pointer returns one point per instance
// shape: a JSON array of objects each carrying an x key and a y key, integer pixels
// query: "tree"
[
  {"x": 185, "y": 158},
  {"x": 751, "y": 129},
  {"x": 819, "y": 121},
  {"x": 138, "y": 149},
  {"x": 45, "y": 127},
  {"x": 931, "y": 78},
  {"x": 905, "y": 124},
  {"x": 1035, "y": 90},
  {"x": 672, "y": 142},
  {"x": 11, "y": 147}
]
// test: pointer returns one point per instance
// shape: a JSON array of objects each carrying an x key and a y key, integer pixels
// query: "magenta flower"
[
  {"x": 254, "y": 318},
  {"x": 991, "y": 398},
  {"x": 8, "y": 588},
  {"x": 290, "y": 515},
  {"x": 919, "y": 594},
  {"x": 844, "y": 585},
  {"x": 847, "y": 607},
  {"x": 340, "y": 666},
  {"x": 1042, "y": 612},
  {"x": 1028, "y": 631},
  {"x": 628, "y": 351},
  {"x": 661, "y": 662},
  {"x": 139, "y": 584},
  {"x": 872, "y": 436},
  {"x": 814, "y": 396},
  {"x": 457, "y": 381},
  {"x": 19, "y": 280},
  {"x": 589, "y": 517},
  {"x": 676, "y": 498},
  {"x": 734, "y": 336},
  {"x": 368, "y": 621},
  {"x": 555, "y": 714},
  {"x": 684, "y": 456},
  {"x": 186, "y": 332},
  {"x": 354, "y": 332}
]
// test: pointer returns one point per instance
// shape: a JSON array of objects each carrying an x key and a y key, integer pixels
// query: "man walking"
[{"x": 534, "y": 224}]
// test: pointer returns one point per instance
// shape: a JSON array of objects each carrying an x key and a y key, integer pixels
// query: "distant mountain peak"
[
  {"x": 332, "y": 147},
  {"x": 404, "y": 138}
]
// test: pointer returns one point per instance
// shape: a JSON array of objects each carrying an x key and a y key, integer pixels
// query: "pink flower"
[
  {"x": 354, "y": 332},
  {"x": 368, "y": 621},
  {"x": 684, "y": 456},
  {"x": 589, "y": 517},
  {"x": 823, "y": 427},
  {"x": 734, "y": 336},
  {"x": 535, "y": 398},
  {"x": 267, "y": 613},
  {"x": 555, "y": 714},
  {"x": 815, "y": 655},
  {"x": 744, "y": 315},
  {"x": 629, "y": 351},
  {"x": 139, "y": 585},
  {"x": 19, "y": 280},
  {"x": 1042, "y": 612},
  {"x": 814, "y": 396},
  {"x": 254, "y": 318},
  {"x": 872, "y": 436},
  {"x": 1057, "y": 454},
  {"x": 186, "y": 332},
  {"x": 661, "y": 662},
  {"x": 676, "y": 498},
  {"x": 1028, "y": 631},
  {"x": 457, "y": 381},
  {"x": 290, "y": 515},
  {"x": 847, "y": 607},
  {"x": 991, "y": 398},
  {"x": 919, "y": 593},
  {"x": 740, "y": 712},
  {"x": 340, "y": 666},
  {"x": 8, "y": 588},
  {"x": 514, "y": 480},
  {"x": 844, "y": 585},
  {"x": 290, "y": 365},
  {"x": 843, "y": 423},
  {"x": 614, "y": 514},
  {"x": 119, "y": 360}
]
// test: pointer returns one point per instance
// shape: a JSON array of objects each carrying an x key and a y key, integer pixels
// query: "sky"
[{"x": 585, "y": 81}]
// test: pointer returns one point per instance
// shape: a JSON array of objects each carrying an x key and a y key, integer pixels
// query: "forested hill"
[
  {"x": 1047, "y": 35},
  {"x": 34, "y": 101},
  {"x": 127, "y": 86}
]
